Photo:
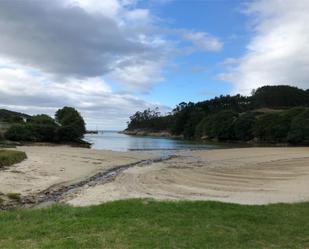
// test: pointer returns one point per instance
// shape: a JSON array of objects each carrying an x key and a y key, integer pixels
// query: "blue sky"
[
  {"x": 112, "y": 58},
  {"x": 194, "y": 77}
]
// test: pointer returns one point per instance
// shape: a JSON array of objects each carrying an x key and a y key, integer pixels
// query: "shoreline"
[
  {"x": 163, "y": 134},
  {"x": 166, "y": 134},
  {"x": 258, "y": 175}
]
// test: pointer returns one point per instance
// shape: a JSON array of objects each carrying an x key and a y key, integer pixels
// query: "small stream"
[{"x": 58, "y": 192}]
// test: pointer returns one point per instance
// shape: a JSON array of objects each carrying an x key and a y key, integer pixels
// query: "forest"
[{"x": 271, "y": 114}]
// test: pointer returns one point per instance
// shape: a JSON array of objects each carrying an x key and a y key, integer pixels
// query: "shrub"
[
  {"x": 21, "y": 132},
  {"x": 31, "y": 132}
]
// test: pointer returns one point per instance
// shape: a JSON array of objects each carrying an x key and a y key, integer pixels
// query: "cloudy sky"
[{"x": 110, "y": 58}]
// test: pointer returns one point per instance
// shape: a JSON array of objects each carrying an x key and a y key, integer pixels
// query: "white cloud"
[
  {"x": 22, "y": 91},
  {"x": 109, "y": 8},
  {"x": 64, "y": 52},
  {"x": 138, "y": 15},
  {"x": 203, "y": 41},
  {"x": 138, "y": 75},
  {"x": 278, "y": 52}
]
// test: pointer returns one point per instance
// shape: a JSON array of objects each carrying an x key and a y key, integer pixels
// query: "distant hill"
[
  {"x": 11, "y": 116},
  {"x": 272, "y": 114}
]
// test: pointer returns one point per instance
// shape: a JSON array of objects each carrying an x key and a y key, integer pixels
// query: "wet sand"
[
  {"x": 60, "y": 165},
  {"x": 245, "y": 176}
]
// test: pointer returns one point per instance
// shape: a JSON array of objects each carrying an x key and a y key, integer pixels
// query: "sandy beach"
[
  {"x": 54, "y": 165},
  {"x": 246, "y": 175}
]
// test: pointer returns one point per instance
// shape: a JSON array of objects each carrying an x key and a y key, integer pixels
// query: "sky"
[{"x": 111, "y": 58}]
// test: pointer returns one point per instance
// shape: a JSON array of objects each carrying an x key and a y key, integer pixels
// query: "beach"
[
  {"x": 48, "y": 166},
  {"x": 242, "y": 175}
]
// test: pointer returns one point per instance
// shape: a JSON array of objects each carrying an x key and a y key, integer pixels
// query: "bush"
[
  {"x": 10, "y": 157},
  {"x": 31, "y": 132},
  {"x": 21, "y": 132}
]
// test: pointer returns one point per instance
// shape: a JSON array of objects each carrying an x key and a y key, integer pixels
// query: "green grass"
[
  {"x": 10, "y": 157},
  {"x": 150, "y": 224}
]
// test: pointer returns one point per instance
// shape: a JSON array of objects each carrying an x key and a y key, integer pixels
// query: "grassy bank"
[
  {"x": 10, "y": 157},
  {"x": 149, "y": 224}
]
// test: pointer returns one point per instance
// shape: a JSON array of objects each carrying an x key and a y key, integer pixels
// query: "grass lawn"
[
  {"x": 10, "y": 157},
  {"x": 151, "y": 224}
]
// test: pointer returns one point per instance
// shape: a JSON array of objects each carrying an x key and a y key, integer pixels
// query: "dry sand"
[
  {"x": 50, "y": 165},
  {"x": 246, "y": 176}
]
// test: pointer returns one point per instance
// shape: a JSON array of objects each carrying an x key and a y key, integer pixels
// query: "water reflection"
[{"x": 111, "y": 140}]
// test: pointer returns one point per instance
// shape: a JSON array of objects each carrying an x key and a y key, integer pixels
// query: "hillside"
[
  {"x": 272, "y": 114},
  {"x": 11, "y": 116}
]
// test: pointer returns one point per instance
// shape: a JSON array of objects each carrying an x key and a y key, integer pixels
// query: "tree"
[
  {"x": 274, "y": 127},
  {"x": 279, "y": 97},
  {"x": 21, "y": 132},
  {"x": 243, "y": 126},
  {"x": 72, "y": 125},
  {"x": 39, "y": 128},
  {"x": 42, "y": 119},
  {"x": 299, "y": 132},
  {"x": 218, "y": 126}
]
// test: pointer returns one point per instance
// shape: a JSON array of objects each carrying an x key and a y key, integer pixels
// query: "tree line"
[
  {"x": 68, "y": 126},
  {"x": 272, "y": 114}
]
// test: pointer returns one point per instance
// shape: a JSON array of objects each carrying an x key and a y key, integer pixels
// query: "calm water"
[{"x": 111, "y": 140}]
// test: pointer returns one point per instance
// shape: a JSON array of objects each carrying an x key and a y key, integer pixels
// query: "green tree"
[
  {"x": 218, "y": 126},
  {"x": 299, "y": 132},
  {"x": 280, "y": 97},
  {"x": 243, "y": 126},
  {"x": 274, "y": 127},
  {"x": 42, "y": 119},
  {"x": 72, "y": 125},
  {"x": 22, "y": 132}
]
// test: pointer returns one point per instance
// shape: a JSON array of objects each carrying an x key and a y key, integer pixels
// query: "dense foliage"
[
  {"x": 272, "y": 114},
  {"x": 68, "y": 126},
  {"x": 12, "y": 117},
  {"x": 72, "y": 125}
]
